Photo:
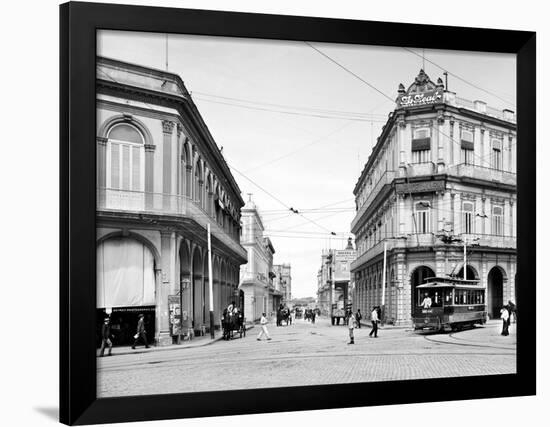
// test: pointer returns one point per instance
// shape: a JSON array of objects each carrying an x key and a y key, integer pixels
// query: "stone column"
[
  {"x": 167, "y": 131},
  {"x": 167, "y": 286},
  {"x": 400, "y": 274},
  {"x": 101, "y": 169},
  {"x": 149, "y": 176},
  {"x": 482, "y": 148}
]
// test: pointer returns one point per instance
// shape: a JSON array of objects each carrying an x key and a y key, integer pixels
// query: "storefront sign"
[{"x": 425, "y": 98}]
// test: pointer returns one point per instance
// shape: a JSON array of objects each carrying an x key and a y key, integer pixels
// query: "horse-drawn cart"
[{"x": 233, "y": 321}]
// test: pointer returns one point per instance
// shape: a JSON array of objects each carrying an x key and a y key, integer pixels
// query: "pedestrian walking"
[
  {"x": 351, "y": 326},
  {"x": 505, "y": 316},
  {"x": 140, "y": 332},
  {"x": 106, "y": 337},
  {"x": 263, "y": 324},
  {"x": 358, "y": 317},
  {"x": 374, "y": 321}
]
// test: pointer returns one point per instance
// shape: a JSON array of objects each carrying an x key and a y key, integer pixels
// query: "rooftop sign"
[{"x": 418, "y": 99}]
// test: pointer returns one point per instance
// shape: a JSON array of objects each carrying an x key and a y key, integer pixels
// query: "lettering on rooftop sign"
[{"x": 424, "y": 98}]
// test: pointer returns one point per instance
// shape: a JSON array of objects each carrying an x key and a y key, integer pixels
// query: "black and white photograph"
[{"x": 277, "y": 213}]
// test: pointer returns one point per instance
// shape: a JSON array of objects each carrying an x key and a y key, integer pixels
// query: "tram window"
[{"x": 448, "y": 297}]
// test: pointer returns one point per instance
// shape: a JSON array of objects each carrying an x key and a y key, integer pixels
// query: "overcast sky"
[{"x": 298, "y": 125}]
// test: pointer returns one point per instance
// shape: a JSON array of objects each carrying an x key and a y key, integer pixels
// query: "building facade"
[
  {"x": 441, "y": 177},
  {"x": 282, "y": 281},
  {"x": 334, "y": 279},
  {"x": 257, "y": 274},
  {"x": 160, "y": 180}
]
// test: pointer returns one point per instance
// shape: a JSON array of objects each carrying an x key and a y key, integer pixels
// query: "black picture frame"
[{"x": 78, "y": 25}]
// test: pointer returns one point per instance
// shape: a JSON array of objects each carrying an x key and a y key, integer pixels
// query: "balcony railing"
[
  {"x": 483, "y": 173},
  {"x": 429, "y": 239},
  {"x": 490, "y": 240},
  {"x": 385, "y": 179},
  {"x": 419, "y": 169},
  {"x": 116, "y": 200}
]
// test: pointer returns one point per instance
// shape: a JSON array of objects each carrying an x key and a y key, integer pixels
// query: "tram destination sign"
[{"x": 418, "y": 99}]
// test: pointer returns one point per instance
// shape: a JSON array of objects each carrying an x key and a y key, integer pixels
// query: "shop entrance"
[
  {"x": 125, "y": 288},
  {"x": 124, "y": 324}
]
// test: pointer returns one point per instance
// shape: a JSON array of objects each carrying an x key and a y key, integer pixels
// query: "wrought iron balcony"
[
  {"x": 385, "y": 179},
  {"x": 483, "y": 173}
]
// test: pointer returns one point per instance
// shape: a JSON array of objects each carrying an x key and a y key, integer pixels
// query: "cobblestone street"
[{"x": 310, "y": 354}]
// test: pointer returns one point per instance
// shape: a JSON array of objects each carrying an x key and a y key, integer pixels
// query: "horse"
[{"x": 232, "y": 320}]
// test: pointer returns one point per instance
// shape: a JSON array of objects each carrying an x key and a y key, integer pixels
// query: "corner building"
[
  {"x": 441, "y": 175},
  {"x": 257, "y": 274},
  {"x": 160, "y": 180}
]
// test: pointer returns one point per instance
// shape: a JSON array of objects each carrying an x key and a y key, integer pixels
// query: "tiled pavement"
[{"x": 309, "y": 354}]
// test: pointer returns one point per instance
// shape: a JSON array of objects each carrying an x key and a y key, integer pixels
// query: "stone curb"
[{"x": 173, "y": 347}]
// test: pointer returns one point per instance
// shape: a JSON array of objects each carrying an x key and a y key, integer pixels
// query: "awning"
[
  {"x": 466, "y": 145},
  {"x": 421, "y": 144},
  {"x": 125, "y": 274}
]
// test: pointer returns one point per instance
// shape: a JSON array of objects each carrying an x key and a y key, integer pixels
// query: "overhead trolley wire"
[{"x": 460, "y": 78}]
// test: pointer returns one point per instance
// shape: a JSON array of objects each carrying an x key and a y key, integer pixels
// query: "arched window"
[
  {"x": 209, "y": 195},
  {"x": 125, "y": 158},
  {"x": 198, "y": 184}
]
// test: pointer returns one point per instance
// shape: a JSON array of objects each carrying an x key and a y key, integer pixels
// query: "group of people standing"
[{"x": 354, "y": 321}]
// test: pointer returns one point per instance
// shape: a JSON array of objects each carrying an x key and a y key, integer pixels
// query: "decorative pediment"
[{"x": 422, "y": 92}]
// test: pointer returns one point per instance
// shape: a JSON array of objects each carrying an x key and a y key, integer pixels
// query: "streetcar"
[{"x": 447, "y": 303}]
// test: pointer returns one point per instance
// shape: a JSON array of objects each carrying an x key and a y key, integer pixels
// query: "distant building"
[
  {"x": 256, "y": 275},
  {"x": 335, "y": 276},
  {"x": 442, "y": 174},
  {"x": 160, "y": 180},
  {"x": 283, "y": 281}
]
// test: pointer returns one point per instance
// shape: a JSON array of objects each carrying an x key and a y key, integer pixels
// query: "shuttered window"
[
  {"x": 468, "y": 217},
  {"x": 125, "y": 159},
  {"x": 421, "y": 145}
]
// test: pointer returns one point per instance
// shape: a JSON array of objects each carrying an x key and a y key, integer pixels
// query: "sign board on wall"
[{"x": 342, "y": 263}]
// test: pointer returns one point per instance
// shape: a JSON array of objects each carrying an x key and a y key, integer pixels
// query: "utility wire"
[
  {"x": 290, "y": 107},
  {"x": 349, "y": 71},
  {"x": 315, "y": 141},
  {"x": 294, "y": 113},
  {"x": 460, "y": 78},
  {"x": 278, "y": 200}
]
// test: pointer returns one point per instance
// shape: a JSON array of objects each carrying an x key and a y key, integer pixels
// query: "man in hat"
[
  {"x": 140, "y": 332},
  {"x": 106, "y": 337}
]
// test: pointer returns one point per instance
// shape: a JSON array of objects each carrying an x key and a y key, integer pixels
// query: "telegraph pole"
[
  {"x": 464, "y": 258},
  {"x": 384, "y": 279},
  {"x": 210, "y": 286}
]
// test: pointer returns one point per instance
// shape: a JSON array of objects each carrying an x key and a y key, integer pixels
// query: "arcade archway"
[{"x": 495, "y": 291}]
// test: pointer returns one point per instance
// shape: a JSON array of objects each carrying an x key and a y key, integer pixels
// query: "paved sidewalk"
[{"x": 197, "y": 341}]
